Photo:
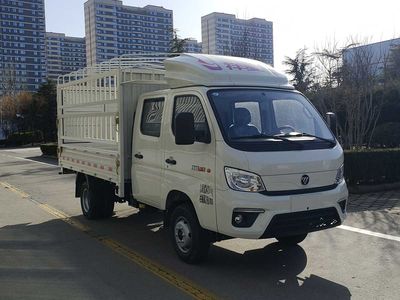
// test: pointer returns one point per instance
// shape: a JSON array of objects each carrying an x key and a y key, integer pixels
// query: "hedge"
[
  {"x": 24, "y": 138},
  {"x": 49, "y": 149},
  {"x": 372, "y": 166},
  {"x": 387, "y": 135}
]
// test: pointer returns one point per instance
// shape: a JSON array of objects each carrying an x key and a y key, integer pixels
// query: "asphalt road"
[{"x": 49, "y": 251}]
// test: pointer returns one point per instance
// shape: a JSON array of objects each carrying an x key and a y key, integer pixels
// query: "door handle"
[
  {"x": 139, "y": 156},
  {"x": 170, "y": 161}
]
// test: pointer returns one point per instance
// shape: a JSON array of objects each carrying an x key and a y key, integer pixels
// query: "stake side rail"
[{"x": 92, "y": 120}]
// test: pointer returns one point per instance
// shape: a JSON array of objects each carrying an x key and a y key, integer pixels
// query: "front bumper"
[
  {"x": 283, "y": 215},
  {"x": 302, "y": 222}
]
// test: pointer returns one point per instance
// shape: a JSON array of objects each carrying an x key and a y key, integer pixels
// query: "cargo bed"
[{"x": 95, "y": 112}]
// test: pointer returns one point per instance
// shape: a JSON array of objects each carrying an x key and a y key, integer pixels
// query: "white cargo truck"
[{"x": 223, "y": 145}]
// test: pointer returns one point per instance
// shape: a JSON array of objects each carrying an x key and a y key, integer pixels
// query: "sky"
[{"x": 297, "y": 24}]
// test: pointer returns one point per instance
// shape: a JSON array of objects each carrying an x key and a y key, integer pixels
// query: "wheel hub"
[
  {"x": 85, "y": 202},
  {"x": 183, "y": 235}
]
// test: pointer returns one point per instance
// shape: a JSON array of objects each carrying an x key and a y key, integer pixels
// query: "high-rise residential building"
[
  {"x": 192, "y": 46},
  {"x": 113, "y": 29},
  {"x": 227, "y": 35},
  {"x": 22, "y": 45},
  {"x": 65, "y": 54}
]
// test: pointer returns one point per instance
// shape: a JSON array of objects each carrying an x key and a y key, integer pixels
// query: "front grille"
[
  {"x": 302, "y": 222},
  {"x": 300, "y": 191}
]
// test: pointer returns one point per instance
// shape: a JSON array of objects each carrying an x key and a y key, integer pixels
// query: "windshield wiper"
[
  {"x": 297, "y": 134},
  {"x": 264, "y": 136}
]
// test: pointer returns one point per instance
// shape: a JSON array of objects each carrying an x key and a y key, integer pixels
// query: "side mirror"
[
  {"x": 331, "y": 121},
  {"x": 184, "y": 129}
]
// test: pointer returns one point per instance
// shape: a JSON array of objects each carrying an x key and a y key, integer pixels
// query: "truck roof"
[{"x": 190, "y": 69}]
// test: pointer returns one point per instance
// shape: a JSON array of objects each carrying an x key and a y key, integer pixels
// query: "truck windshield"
[{"x": 274, "y": 120}]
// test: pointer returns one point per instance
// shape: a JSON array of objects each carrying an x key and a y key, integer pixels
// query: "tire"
[
  {"x": 107, "y": 201},
  {"x": 292, "y": 240},
  {"x": 191, "y": 242},
  {"x": 96, "y": 201}
]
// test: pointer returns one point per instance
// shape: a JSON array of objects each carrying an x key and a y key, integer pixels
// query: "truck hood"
[
  {"x": 293, "y": 162},
  {"x": 282, "y": 171}
]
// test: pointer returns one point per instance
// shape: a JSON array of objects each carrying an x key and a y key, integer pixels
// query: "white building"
[
  {"x": 64, "y": 54},
  {"x": 113, "y": 29},
  {"x": 377, "y": 53},
  {"x": 192, "y": 46},
  {"x": 225, "y": 34}
]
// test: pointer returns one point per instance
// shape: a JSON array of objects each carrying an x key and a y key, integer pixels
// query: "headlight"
[
  {"x": 243, "y": 181},
  {"x": 339, "y": 175}
]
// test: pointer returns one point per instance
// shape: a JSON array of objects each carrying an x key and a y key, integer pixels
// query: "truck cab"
[{"x": 250, "y": 156}]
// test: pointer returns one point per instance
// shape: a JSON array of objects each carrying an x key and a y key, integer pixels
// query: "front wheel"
[
  {"x": 291, "y": 240},
  {"x": 190, "y": 241}
]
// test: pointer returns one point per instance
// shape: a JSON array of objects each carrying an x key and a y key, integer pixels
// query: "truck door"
[
  {"x": 147, "y": 154},
  {"x": 191, "y": 168}
]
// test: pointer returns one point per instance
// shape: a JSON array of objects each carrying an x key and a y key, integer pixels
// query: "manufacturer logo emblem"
[{"x": 305, "y": 179}]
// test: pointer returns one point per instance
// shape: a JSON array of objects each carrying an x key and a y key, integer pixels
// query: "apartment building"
[
  {"x": 113, "y": 29},
  {"x": 65, "y": 54},
  {"x": 22, "y": 45},
  {"x": 192, "y": 46},
  {"x": 225, "y": 34}
]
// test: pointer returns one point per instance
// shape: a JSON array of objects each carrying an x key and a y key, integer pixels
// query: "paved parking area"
[{"x": 388, "y": 201}]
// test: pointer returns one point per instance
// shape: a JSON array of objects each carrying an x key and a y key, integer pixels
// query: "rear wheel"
[
  {"x": 107, "y": 201},
  {"x": 292, "y": 240},
  {"x": 190, "y": 241},
  {"x": 96, "y": 200}
]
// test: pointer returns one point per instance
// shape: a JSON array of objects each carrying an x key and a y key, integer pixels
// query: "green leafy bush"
[
  {"x": 49, "y": 149},
  {"x": 24, "y": 138},
  {"x": 372, "y": 166}
]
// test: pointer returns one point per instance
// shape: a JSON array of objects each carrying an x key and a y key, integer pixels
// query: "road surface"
[{"x": 48, "y": 250}]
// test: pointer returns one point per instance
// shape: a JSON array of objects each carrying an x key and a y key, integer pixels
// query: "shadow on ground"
[
  {"x": 270, "y": 272},
  {"x": 44, "y": 159},
  {"x": 378, "y": 212},
  {"x": 52, "y": 260}
]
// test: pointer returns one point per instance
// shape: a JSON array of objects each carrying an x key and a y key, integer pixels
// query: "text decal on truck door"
[
  {"x": 206, "y": 193},
  {"x": 200, "y": 169}
]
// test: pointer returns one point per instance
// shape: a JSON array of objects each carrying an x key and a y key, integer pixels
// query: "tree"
[
  {"x": 347, "y": 81},
  {"x": 392, "y": 67},
  {"x": 301, "y": 69},
  {"x": 362, "y": 102},
  {"x": 31, "y": 112},
  {"x": 177, "y": 44},
  {"x": 326, "y": 94},
  {"x": 242, "y": 46},
  {"x": 8, "y": 80},
  {"x": 8, "y": 107},
  {"x": 8, "y": 110},
  {"x": 46, "y": 99},
  {"x": 28, "y": 108}
]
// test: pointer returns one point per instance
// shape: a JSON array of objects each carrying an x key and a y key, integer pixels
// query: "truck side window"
[
  {"x": 192, "y": 104},
  {"x": 151, "y": 117}
]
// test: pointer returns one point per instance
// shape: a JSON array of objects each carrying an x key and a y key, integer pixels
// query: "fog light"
[
  {"x": 245, "y": 217},
  {"x": 238, "y": 219}
]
